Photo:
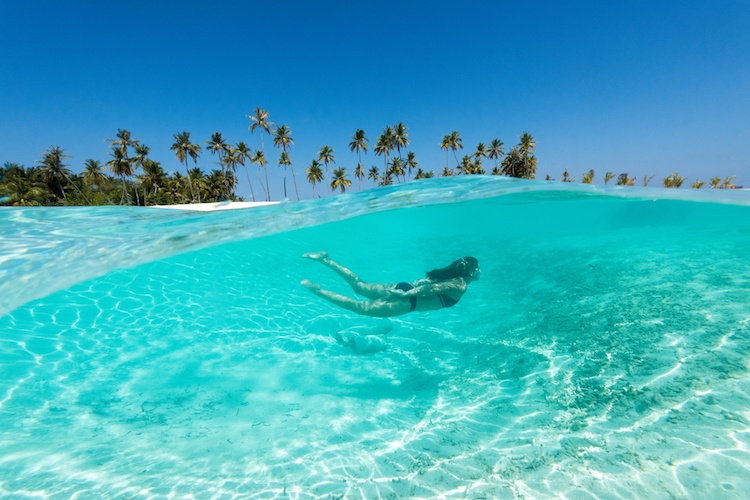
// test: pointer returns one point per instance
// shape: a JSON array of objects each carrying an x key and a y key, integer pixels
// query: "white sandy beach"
[{"x": 221, "y": 205}]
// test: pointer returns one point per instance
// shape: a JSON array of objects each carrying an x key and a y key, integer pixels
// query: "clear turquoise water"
[{"x": 604, "y": 353}]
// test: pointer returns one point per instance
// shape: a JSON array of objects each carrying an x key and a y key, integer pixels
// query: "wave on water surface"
[{"x": 47, "y": 249}]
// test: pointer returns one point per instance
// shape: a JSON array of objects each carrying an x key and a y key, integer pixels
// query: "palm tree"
[
  {"x": 673, "y": 181},
  {"x": 93, "y": 173},
  {"x": 359, "y": 144},
  {"x": 588, "y": 177},
  {"x": 94, "y": 177},
  {"x": 19, "y": 187},
  {"x": 176, "y": 188},
  {"x": 411, "y": 162},
  {"x": 261, "y": 122},
  {"x": 123, "y": 142},
  {"x": 386, "y": 180},
  {"x": 283, "y": 139},
  {"x": 455, "y": 142},
  {"x": 183, "y": 149},
  {"x": 625, "y": 180},
  {"x": 446, "y": 145},
  {"x": 481, "y": 152},
  {"x": 141, "y": 154},
  {"x": 566, "y": 176},
  {"x": 728, "y": 184},
  {"x": 359, "y": 173},
  {"x": 383, "y": 146},
  {"x": 326, "y": 156},
  {"x": 447, "y": 172},
  {"x": 647, "y": 179},
  {"x": 314, "y": 174},
  {"x": 284, "y": 160},
  {"x": 373, "y": 174},
  {"x": 512, "y": 163},
  {"x": 199, "y": 181},
  {"x": 340, "y": 180},
  {"x": 397, "y": 168},
  {"x": 715, "y": 181},
  {"x": 527, "y": 146},
  {"x": 153, "y": 177},
  {"x": 53, "y": 166},
  {"x": 400, "y": 137},
  {"x": 698, "y": 184},
  {"x": 496, "y": 151},
  {"x": 259, "y": 158},
  {"x": 119, "y": 165},
  {"x": 21, "y": 191},
  {"x": 608, "y": 177},
  {"x": 465, "y": 167},
  {"x": 217, "y": 145},
  {"x": 240, "y": 155},
  {"x": 217, "y": 183},
  {"x": 230, "y": 181}
]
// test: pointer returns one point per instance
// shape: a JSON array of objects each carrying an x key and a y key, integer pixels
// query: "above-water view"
[{"x": 604, "y": 353}]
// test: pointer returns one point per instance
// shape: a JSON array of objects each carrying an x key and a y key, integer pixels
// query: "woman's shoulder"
[{"x": 454, "y": 283}]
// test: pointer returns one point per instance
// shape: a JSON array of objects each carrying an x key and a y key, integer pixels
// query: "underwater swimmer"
[{"x": 442, "y": 287}]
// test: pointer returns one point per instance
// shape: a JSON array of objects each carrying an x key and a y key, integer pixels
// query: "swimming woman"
[{"x": 442, "y": 287}]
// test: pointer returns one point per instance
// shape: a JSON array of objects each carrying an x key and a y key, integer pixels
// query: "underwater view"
[{"x": 604, "y": 353}]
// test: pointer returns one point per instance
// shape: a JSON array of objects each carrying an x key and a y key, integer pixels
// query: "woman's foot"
[
  {"x": 317, "y": 256},
  {"x": 313, "y": 287}
]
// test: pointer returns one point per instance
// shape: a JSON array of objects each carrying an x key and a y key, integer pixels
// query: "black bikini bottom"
[{"x": 406, "y": 287}]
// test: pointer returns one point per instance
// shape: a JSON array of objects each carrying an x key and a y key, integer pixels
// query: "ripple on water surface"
[{"x": 604, "y": 352}]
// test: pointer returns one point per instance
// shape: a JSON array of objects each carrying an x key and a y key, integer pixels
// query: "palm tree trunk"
[
  {"x": 59, "y": 183},
  {"x": 294, "y": 178},
  {"x": 79, "y": 191},
  {"x": 190, "y": 183},
  {"x": 260, "y": 180},
  {"x": 285, "y": 181},
  {"x": 226, "y": 182},
  {"x": 224, "y": 172},
  {"x": 122, "y": 199},
  {"x": 263, "y": 148},
  {"x": 268, "y": 188},
  {"x": 252, "y": 195}
]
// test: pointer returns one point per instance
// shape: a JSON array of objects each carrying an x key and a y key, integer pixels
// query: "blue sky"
[{"x": 625, "y": 86}]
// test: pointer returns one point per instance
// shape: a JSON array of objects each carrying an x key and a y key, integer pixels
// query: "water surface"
[{"x": 604, "y": 353}]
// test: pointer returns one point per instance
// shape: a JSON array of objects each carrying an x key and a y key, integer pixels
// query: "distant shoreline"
[{"x": 219, "y": 205}]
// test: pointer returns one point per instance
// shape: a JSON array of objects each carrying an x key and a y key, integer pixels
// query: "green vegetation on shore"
[{"x": 134, "y": 179}]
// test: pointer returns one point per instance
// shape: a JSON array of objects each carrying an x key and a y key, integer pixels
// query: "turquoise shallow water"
[{"x": 604, "y": 353}]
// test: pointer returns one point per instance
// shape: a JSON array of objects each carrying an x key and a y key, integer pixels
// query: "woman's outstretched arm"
[{"x": 455, "y": 286}]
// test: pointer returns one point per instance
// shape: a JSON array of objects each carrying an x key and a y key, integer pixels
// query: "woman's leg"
[
  {"x": 375, "y": 308},
  {"x": 369, "y": 290}
]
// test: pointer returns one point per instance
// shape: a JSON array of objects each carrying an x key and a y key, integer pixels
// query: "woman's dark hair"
[{"x": 461, "y": 268}]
